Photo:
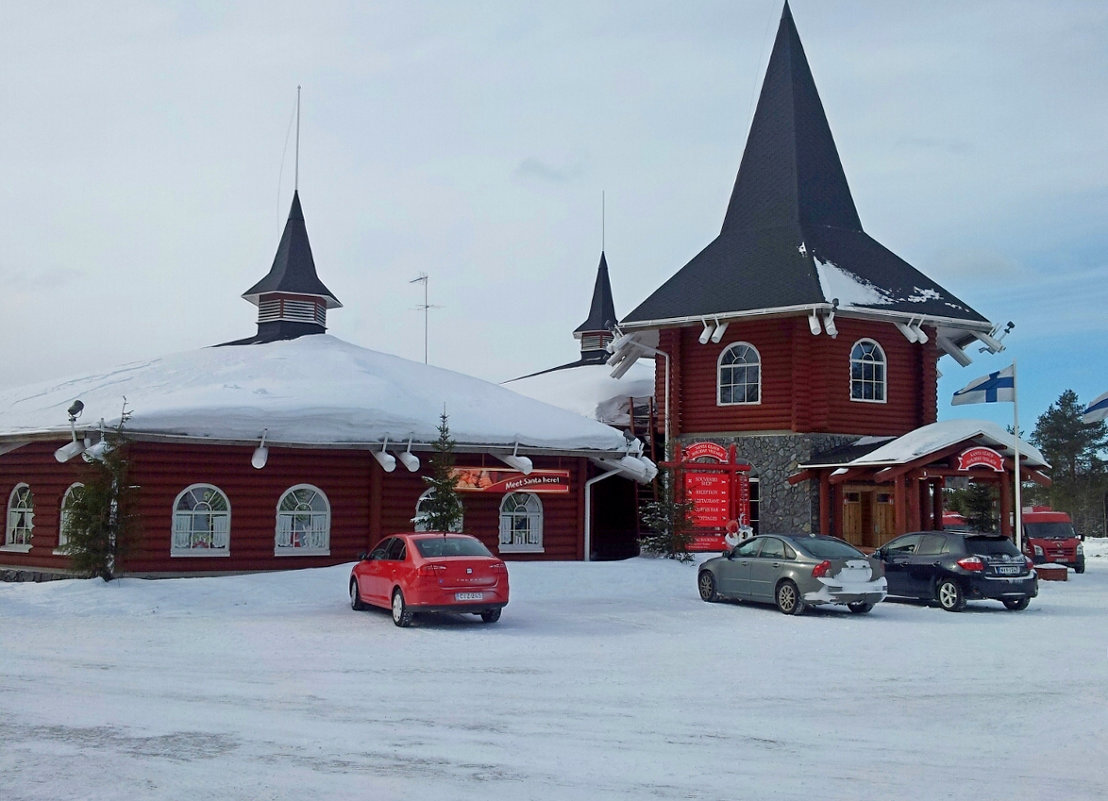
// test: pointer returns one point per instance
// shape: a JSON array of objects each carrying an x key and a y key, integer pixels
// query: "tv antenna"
[{"x": 425, "y": 307}]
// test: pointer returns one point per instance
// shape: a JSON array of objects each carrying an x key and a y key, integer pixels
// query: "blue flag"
[{"x": 998, "y": 387}]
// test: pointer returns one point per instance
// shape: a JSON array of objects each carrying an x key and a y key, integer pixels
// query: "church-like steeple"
[
  {"x": 791, "y": 240},
  {"x": 596, "y": 332},
  {"x": 291, "y": 300}
]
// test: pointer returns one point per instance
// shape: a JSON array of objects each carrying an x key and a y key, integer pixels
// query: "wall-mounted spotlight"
[
  {"x": 386, "y": 460},
  {"x": 261, "y": 453},
  {"x": 706, "y": 334},
  {"x": 409, "y": 459},
  {"x": 813, "y": 323},
  {"x": 717, "y": 335},
  {"x": 75, "y": 409},
  {"x": 829, "y": 324}
]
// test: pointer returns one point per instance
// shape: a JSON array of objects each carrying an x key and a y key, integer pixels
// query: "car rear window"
[
  {"x": 991, "y": 545},
  {"x": 829, "y": 548},
  {"x": 450, "y": 546}
]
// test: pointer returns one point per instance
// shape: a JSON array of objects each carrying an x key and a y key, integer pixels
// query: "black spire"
[
  {"x": 791, "y": 215},
  {"x": 291, "y": 299},
  {"x": 596, "y": 332}
]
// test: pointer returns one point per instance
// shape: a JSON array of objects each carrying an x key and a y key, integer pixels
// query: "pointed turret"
[
  {"x": 596, "y": 332},
  {"x": 791, "y": 240},
  {"x": 291, "y": 300}
]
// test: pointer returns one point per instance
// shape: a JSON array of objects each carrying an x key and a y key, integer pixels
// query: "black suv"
[{"x": 952, "y": 567}]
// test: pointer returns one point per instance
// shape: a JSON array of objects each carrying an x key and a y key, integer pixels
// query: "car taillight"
[
  {"x": 1030, "y": 564},
  {"x": 974, "y": 563},
  {"x": 498, "y": 567},
  {"x": 821, "y": 569},
  {"x": 430, "y": 571}
]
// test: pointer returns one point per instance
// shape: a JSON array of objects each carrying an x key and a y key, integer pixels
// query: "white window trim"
[
  {"x": 540, "y": 516},
  {"x": 289, "y": 550},
  {"x": 885, "y": 372},
  {"x": 719, "y": 383},
  {"x": 61, "y": 518},
  {"x": 416, "y": 523},
  {"x": 19, "y": 547},
  {"x": 214, "y": 552}
]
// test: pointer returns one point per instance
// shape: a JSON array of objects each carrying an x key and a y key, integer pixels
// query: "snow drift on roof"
[
  {"x": 589, "y": 390},
  {"x": 936, "y": 436},
  {"x": 315, "y": 390}
]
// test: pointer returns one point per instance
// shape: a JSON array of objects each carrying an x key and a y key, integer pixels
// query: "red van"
[{"x": 1049, "y": 536}]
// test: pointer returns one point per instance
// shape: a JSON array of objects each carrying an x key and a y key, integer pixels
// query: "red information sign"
[{"x": 719, "y": 492}]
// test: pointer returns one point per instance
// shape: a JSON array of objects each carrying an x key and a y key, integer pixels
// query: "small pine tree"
[
  {"x": 978, "y": 504},
  {"x": 668, "y": 522},
  {"x": 442, "y": 510},
  {"x": 100, "y": 518}
]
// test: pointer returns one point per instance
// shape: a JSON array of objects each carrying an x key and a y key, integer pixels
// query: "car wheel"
[
  {"x": 788, "y": 598},
  {"x": 1017, "y": 604},
  {"x": 950, "y": 596},
  {"x": 401, "y": 614},
  {"x": 1079, "y": 567},
  {"x": 490, "y": 615},
  {"x": 706, "y": 583},
  {"x": 356, "y": 602},
  {"x": 859, "y": 607}
]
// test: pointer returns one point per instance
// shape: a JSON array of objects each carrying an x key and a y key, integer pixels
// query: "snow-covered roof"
[
  {"x": 937, "y": 436},
  {"x": 589, "y": 389},
  {"x": 312, "y": 391}
]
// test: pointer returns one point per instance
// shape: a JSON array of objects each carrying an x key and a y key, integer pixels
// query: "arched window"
[
  {"x": 740, "y": 375},
  {"x": 419, "y": 521},
  {"x": 867, "y": 372},
  {"x": 521, "y": 523},
  {"x": 303, "y": 522},
  {"x": 63, "y": 516},
  {"x": 21, "y": 519},
  {"x": 201, "y": 522}
]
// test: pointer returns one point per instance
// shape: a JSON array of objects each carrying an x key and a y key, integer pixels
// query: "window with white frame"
[
  {"x": 867, "y": 372},
  {"x": 420, "y": 520},
  {"x": 201, "y": 522},
  {"x": 303, "y": 522},
  {"x": 739, "y": 375},
  {"x": 70, "y": 496},
  {"x": 521, "y": 523},
  {"x": 21, "y": 519}
]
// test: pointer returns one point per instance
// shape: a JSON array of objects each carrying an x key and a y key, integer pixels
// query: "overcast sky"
[{"x": 147, "y": 153}]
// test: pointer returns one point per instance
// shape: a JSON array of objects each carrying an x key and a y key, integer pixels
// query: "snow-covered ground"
[{"x": 601, "y": 681}]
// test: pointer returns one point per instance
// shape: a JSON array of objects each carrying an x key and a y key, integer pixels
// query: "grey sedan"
[{"x": 795, "y": 571}]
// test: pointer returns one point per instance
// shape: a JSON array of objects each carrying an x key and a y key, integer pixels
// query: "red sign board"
[
  {"x": 500, "y": 480},
  {"x": 980, "y": 457},
  {"x": 719, "y": 491}
]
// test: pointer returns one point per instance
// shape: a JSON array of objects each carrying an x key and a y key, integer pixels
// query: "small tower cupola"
[
  {"x": 596, "y": 332},
  {"x": 291, "y": 300}
]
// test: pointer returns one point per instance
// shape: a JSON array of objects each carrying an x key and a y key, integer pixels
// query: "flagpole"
[{"x": 1016, "y": 428}]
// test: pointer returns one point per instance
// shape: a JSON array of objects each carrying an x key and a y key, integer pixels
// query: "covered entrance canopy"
[{"x": 877, "y": 488}]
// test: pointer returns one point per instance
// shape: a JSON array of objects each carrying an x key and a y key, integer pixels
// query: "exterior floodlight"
[
  {"x": 717, "y": 335},
  {"x": 409, "y": 459},
  {"x": 921, "y": 335},
  {"x": 829, "y": 324},
  {"x": 261, "y": 453},
  {"x": 706, "y": 334},
  {"x": 386, "y": 460},
  {"x": 69, "y": 450},
  {"x": 907, "y": 330},
  {"x": 97, "y": 452},
  {"x": 813, "y": 324},
  {"x": 991, "y": 345},
  {"x": 516, "y": 462},
  {"x": 74, "y": 410}
]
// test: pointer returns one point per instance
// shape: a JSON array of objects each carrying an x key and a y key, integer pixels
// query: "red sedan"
[{"x": 430, "y": 572}]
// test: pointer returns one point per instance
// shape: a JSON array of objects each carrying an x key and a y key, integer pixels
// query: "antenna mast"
[
  {"x": 426, "y": 307},
  {"x": 296, "y": 178}
]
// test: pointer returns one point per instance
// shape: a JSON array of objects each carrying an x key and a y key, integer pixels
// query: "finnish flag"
[
  {"x": 1097, "y": 411},
  {"x": 998, "y": 387}
]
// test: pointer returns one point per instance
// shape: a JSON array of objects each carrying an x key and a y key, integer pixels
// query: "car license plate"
[
  {"x": 1008, "y": 570},
  {"x": 468, "y": 596}
]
